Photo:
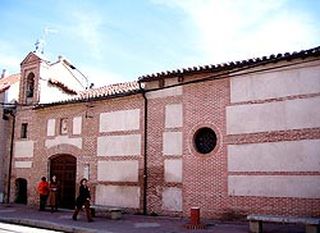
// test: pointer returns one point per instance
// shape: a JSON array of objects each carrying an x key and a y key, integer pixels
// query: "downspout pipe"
[
  {"x": 145, "y": 161},
  {"x": 12, "y": 113}
]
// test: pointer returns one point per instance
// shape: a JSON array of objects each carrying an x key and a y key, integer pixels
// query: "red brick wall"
[
  {"x": 5, "y": 136},
  {"x": 37, "y": 130},
  {"x": 22, "y": 116},
  {"x": 205, "y": 176},
  {"x": 155, "y": 157},
  {"x": 275, "y": 205}
]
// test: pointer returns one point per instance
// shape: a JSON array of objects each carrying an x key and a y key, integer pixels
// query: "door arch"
[
  {"x": 64, "y": 167},
  {"x": 21, "y": 191}
]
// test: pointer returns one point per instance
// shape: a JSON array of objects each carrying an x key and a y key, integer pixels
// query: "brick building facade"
[
  {"x": 236, "y": 138},
  {"x": 9, "y": 90}
]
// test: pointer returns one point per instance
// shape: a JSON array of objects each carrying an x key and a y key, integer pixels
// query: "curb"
[{"x": 47, "y": 225}]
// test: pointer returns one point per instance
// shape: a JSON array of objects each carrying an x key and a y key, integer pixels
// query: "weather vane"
[{"x": 40, "y": 43}]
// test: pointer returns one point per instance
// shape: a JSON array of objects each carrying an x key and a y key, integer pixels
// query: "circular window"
[{"x": 205, "y": 140}]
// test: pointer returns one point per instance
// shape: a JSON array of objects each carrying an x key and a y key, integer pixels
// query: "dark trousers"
[
  {"x": 43, "y": 201},
  {"x": 54, "y": 208},
  {"x": 87, "y": 209}
]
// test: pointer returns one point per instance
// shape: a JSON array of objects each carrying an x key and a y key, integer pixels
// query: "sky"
[{"x": 113, "y": 41}]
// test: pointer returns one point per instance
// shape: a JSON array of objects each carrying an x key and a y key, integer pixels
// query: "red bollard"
[
  {"x": 195, "y": 219},
  {"x": 195, "y": 215}
]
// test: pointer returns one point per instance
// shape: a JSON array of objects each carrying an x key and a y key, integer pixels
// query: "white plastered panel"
[
  {"x": 291, "y": 156},
  {"x": 118, "y": 171},
  {"x": 172, "y": 199},
  {"x": 119, "y": 145},
  {"x": 22, "y": 164},
  {"x": 118, "y": 196},
  {"x": 51, "y": 127},
  {"x": 173, "y": 116},
  {"x": 274, "y": 186},
  {"x": 120, "y": 121},
  {"x": 172, "y": 91},
  {"x": 275, "y": 84},
  {"x": 77, "y": 125},
  {"x": 172, "y": 143},
  {"x": 23, "y": 149},
  {"x": 282, "y": 115},
  {"x": 64, "y": 139},
  {"x": 173, "y": 170}
]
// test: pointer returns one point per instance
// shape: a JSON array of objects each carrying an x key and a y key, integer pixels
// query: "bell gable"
[{"x": 30, "y": 58}]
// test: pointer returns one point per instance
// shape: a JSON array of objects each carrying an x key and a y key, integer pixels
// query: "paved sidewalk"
[{"x": 61, "y": 221}]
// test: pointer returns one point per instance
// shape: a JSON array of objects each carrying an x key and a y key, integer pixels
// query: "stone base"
[
  {"x": 312, "y": 229},
  {"x": 195, "y": 226},
  {"x": 255, "y": 227},
  {"x": 115, "y": 214}
]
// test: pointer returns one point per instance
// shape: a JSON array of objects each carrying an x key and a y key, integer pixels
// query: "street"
[{"x": 61, "y": 221}]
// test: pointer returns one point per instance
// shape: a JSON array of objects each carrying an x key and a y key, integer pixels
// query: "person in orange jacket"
[{"x": 43, "y": 190}]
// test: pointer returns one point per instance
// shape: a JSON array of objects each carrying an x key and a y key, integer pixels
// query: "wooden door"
[{"x": 64, "y": 168}]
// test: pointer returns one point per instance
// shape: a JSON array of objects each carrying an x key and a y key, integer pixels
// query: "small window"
[
  {"x": 64, "y": 126},
  {"x": 205, "y": 140},
  {"x": 24, "y": 130},
  {"x": 30, "y": 85}
]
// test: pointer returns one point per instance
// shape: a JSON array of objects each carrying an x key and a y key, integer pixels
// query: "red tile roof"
[
  {"x": 249, "y": 63},
  {"x": 124, "y": 89},
  {"x": 62, "y": 86},
  {"x": 6, "y": 82},
  {"x": 109, "y": 91}
]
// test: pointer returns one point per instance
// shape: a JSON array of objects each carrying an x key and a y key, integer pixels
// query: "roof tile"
[
  {"x": 112, "y": 90},
  {"x": 6, "y": 82},
  {"x": 234, "y": 64}
]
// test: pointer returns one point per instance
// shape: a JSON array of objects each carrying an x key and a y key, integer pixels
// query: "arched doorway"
[
  {"x": 64, "y": 168},
  {"x": 21, "y": 191}
]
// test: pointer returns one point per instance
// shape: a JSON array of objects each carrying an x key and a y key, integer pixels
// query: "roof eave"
[
  {"x": 97, "y": 98},
  {"x": 249, "y": 63}
]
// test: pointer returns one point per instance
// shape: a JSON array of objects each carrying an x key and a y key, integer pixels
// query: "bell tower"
[{"x": 29, "y": 82}]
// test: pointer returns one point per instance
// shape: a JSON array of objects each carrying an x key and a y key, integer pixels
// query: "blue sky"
[{"x": 119, "y": 40}]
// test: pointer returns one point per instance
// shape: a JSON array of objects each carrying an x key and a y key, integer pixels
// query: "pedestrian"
[
  {"x": 83, "y": 200},
  {"x": 43, "y": 190},
  {"x": 53, "y": 194}
]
